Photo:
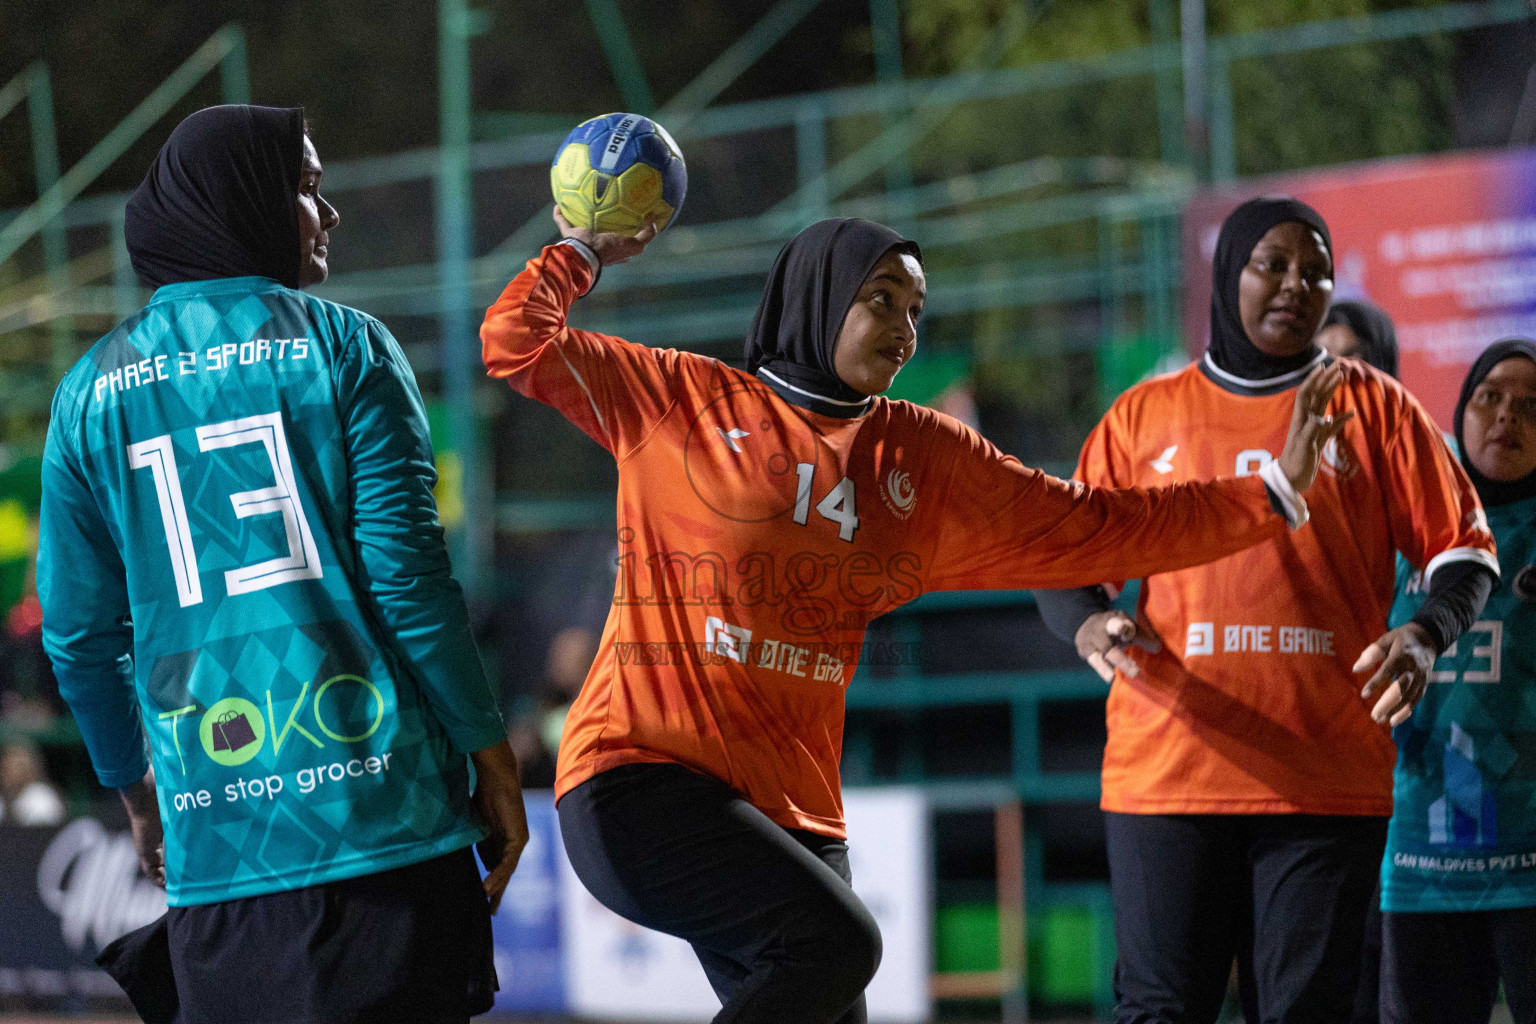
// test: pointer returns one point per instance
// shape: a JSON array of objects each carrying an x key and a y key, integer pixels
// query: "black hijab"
[
  {"x": 814, "y": 281},
  {"x": 1493, "y": 492},
  {"x": 1378, "y": 338},
  {"x": 1240, "y": 232},
  {"x": 221, "y": 199}
]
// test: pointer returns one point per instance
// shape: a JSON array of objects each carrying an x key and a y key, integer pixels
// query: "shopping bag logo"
[{"x": 232, "y": 731}]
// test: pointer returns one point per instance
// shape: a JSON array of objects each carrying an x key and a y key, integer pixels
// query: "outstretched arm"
[
  {"x": 1083, "y": 617},
  {"x": 1023, "y": 528}
]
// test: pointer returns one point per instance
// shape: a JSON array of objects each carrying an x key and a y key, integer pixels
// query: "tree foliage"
[{"x": 1320, "y": 107}]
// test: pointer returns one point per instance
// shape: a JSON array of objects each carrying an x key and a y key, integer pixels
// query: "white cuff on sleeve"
[
  {"x": 590, "y": 255},
  {"x": 1478, "y": 555},
  {"x": 1280, "y": 488}
]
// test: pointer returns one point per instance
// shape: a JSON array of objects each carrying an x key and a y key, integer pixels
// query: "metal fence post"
[
  {"x": 1012, "y": 911},
  {"x": 1157, "y": 302},
  {"x": 1170, "y": 134},
  {"x": 1223, "y": 117},
  {"x": 885, "y": 31},
  {"x": 234, "y": 74},
  {"x": 1196, "y": 133},
  {"x": 470, "y": 542},
  {"x": 1111, "y": 290},
  {"x": 125, "y": 285},
  {"x": 811, "y": 158},
  {"x": 622, "y": 58},
  {"x": 45, "y": 163}
]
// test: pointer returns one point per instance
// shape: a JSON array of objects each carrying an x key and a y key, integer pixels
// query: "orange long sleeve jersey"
[
  {"x": 1251, "y": 706},
  {"x": 757, "y": 540}
]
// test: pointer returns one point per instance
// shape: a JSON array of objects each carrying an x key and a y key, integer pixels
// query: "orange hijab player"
[
  {"x": 1247, "y": 777},
  {"x": 764, "y": 518}
]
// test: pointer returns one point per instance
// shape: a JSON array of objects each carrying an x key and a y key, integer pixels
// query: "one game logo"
[
  {"x": 899, "y": 494},
  {"x": 726, "y": 640}
]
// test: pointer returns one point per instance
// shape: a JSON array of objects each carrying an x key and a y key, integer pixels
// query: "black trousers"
[
  {"x": 1368, "y": 993},
  {"x": 1446, "y": 968},
  {"x": 407, "y": 946},
  {"x": 770, "y": 912},
  {"x": 1285, "y": 892}
]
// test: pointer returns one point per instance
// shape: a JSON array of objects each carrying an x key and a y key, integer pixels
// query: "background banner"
[
  {"x": 526, "y": 928},
  {"x": 68, "y": 892}
]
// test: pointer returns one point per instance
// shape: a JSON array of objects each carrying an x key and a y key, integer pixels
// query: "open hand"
[
  {"x": 499, "y": 799},
  {"x": 1403, "y": 658},
  {"x": 611, "y": 246},
  {"x": 1311, "y": 426},
  {"x": 1103, "y": 641}
]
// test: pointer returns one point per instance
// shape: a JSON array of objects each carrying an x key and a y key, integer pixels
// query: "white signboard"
[
  {"x": 888, "y": 849},
  {"x": 620, "y": 971}
]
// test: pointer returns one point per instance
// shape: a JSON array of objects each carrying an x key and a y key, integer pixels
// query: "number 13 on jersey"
[{"x": 303, "y": 559}]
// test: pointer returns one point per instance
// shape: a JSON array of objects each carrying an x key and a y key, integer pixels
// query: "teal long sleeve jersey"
[
  {"x": 240, "y": 562},
  {"x": 1463, "y": 832}
]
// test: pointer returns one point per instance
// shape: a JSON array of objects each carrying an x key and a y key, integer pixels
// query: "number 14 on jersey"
[{"x": 838, "y": 506}]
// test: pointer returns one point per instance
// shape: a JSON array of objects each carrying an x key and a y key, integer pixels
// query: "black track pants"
[
  {"x": 410, "y": 945},
  {"x": 1189, "y": 891},
  {"x": 769, "y": 911},
  {"x": 1446, "y": 968}
]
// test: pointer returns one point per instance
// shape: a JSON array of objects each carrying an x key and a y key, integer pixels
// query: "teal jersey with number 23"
[
  {"x": 240, "y": 563},
  {"x": 1463, "y": 832}
]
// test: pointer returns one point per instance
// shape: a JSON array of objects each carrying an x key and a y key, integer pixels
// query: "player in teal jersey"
[
  {"x": 241, "y": 569},
  {"x": 1458, "y": 883}
]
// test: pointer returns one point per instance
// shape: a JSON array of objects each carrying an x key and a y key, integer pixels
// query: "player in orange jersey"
[
  {"x": 764, "y": 517},
  {"x": 1248, "y": 779}
]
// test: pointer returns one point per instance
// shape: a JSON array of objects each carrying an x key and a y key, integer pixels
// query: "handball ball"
[{"x": 618, "y": 171}]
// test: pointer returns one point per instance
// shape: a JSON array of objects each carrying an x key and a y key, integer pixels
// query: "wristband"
[
  {"x": 1283, "y": 496},
  {"x": 589, "y": 254}
]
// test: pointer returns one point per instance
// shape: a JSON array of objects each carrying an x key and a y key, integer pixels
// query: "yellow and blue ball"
[{"x": 618, "y": 172}]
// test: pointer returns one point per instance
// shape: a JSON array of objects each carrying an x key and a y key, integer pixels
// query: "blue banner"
[{"x": 526, "y": 929}]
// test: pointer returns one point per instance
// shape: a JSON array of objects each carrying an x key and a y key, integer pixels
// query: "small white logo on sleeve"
[
  {"x": 899, "y": 493},
  {"x": 1337, "y": 460},
  {"x": 726, "y": 640},
  {"x": 1201, "y": 639},
  {"x": 731, "y": 436},
  {"x": 1164, "y": 462}
]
